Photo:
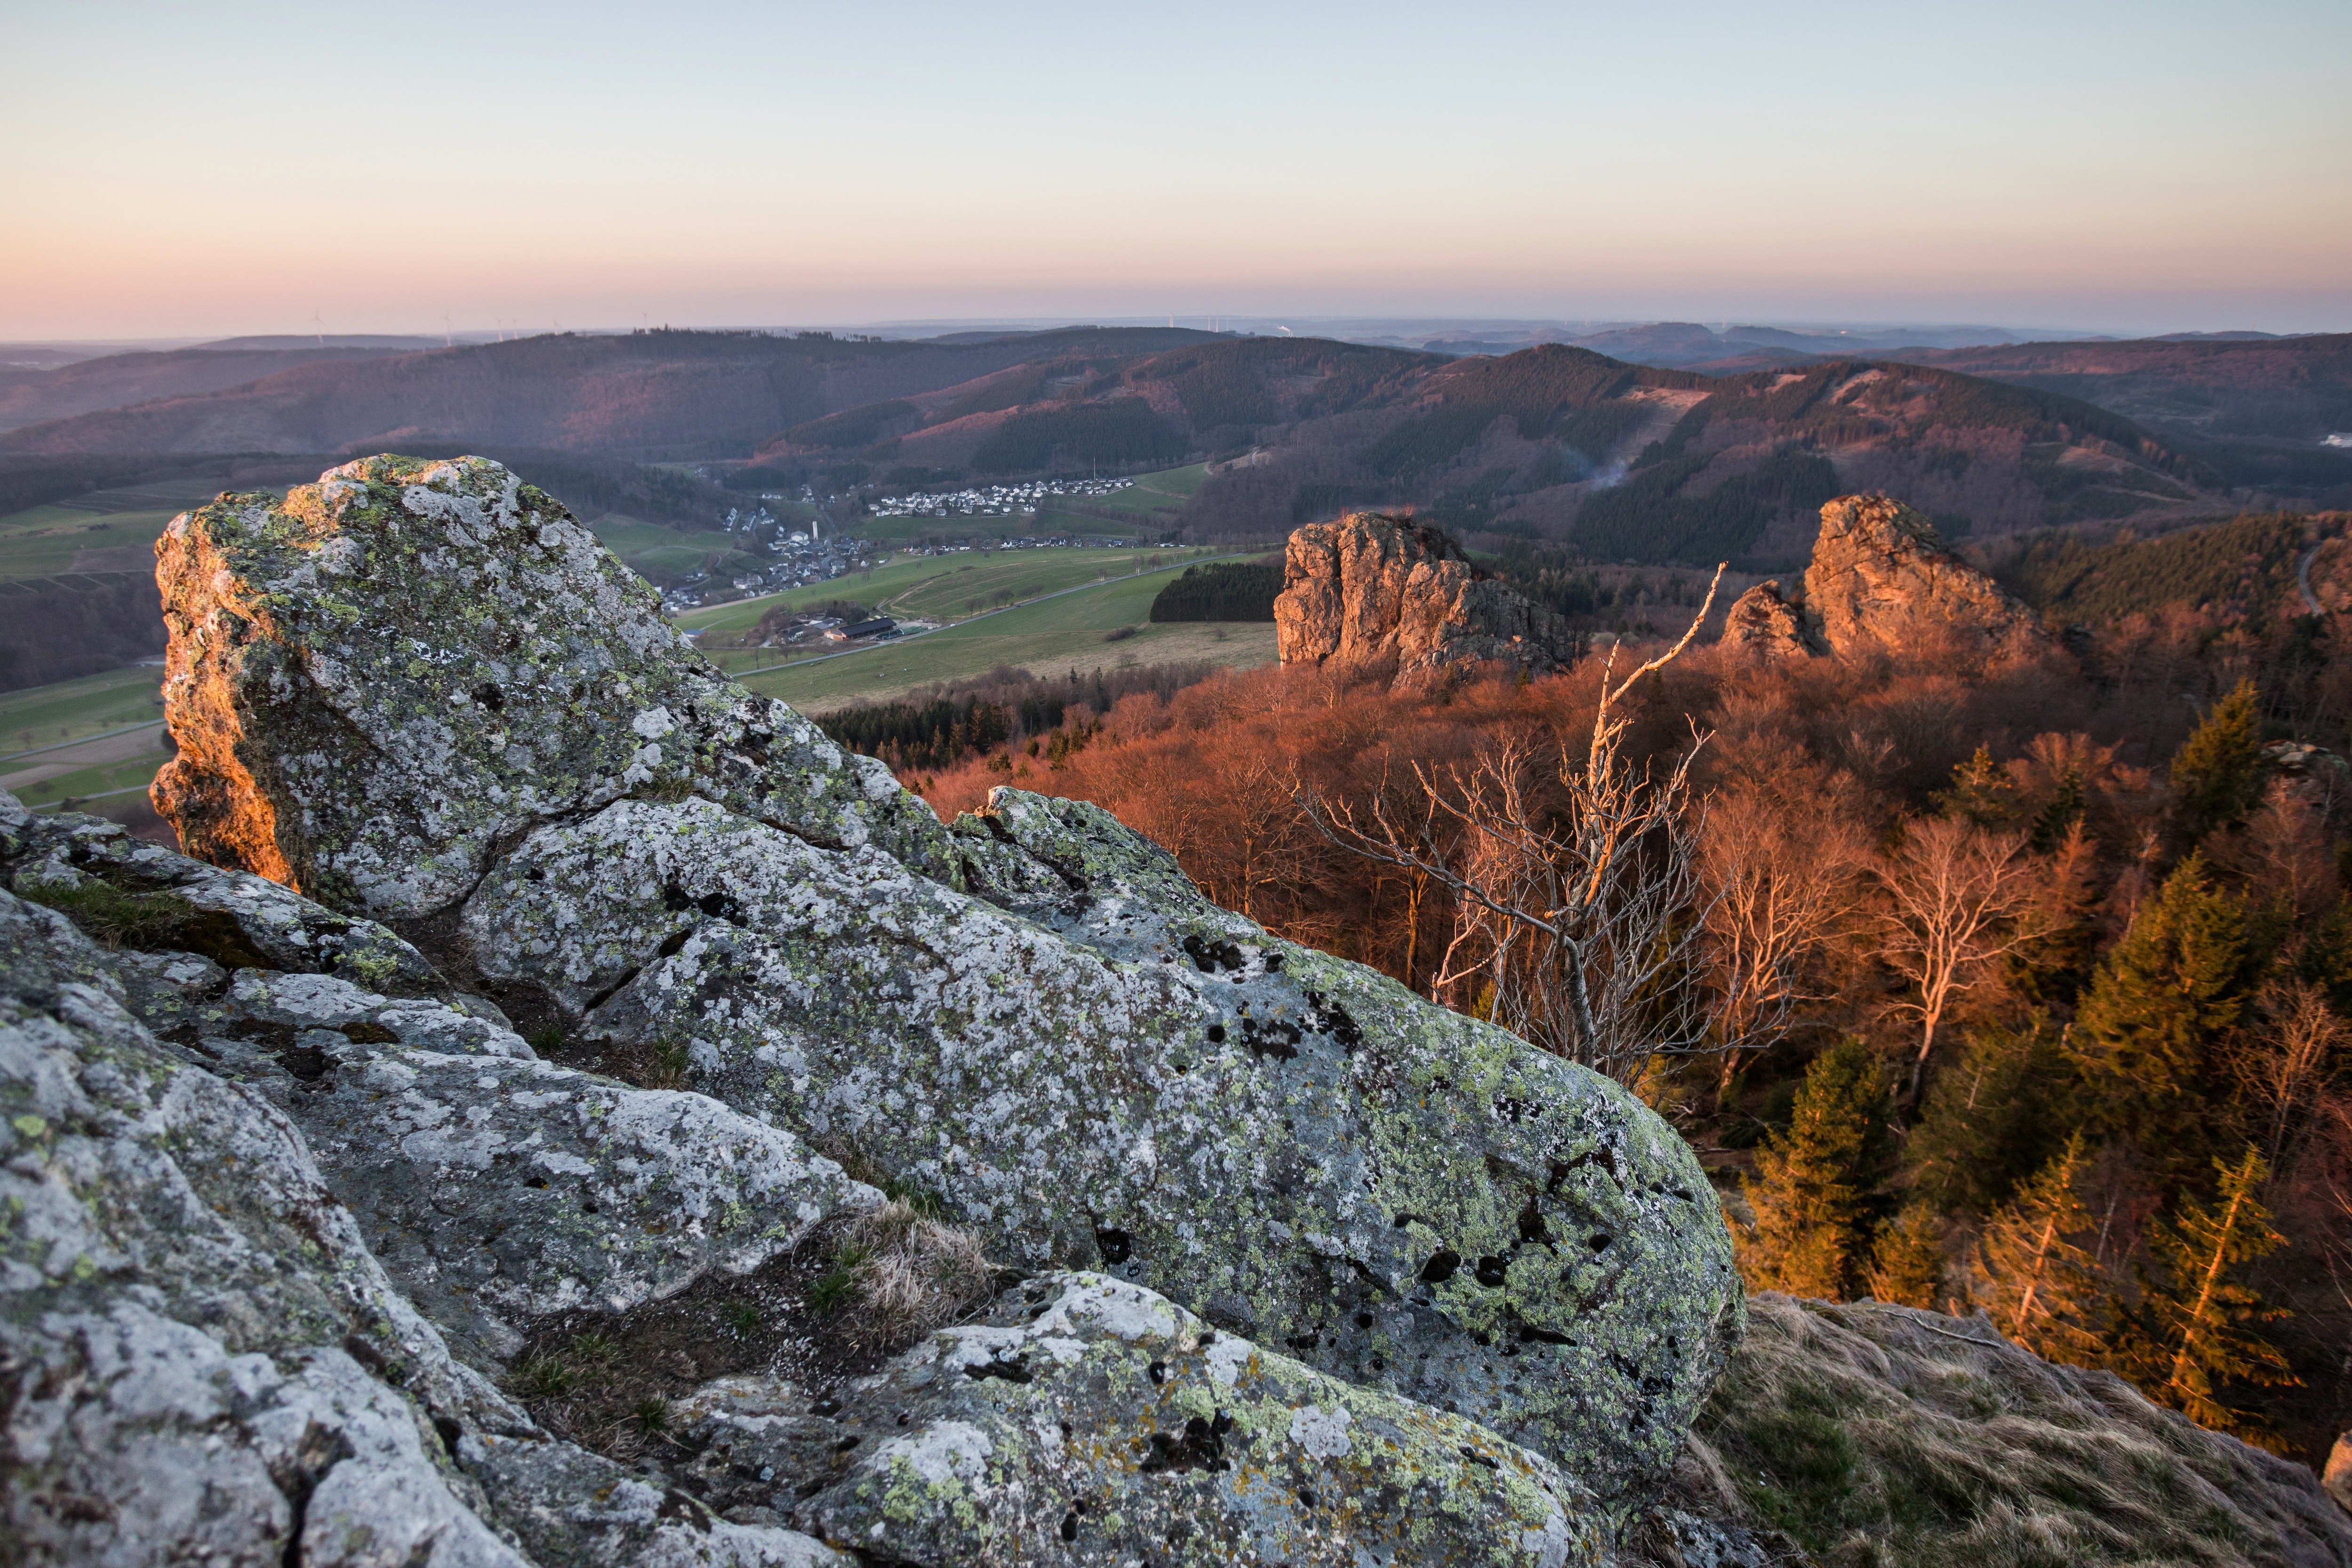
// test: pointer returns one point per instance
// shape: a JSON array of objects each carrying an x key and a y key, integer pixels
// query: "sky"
[{"x": 168, "y": 170}]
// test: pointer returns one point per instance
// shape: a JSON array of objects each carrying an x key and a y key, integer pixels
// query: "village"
[{"x": 996, "y": 501}]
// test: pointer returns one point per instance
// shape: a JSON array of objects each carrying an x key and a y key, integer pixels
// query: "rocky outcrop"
[
  {"x": 1764, "y": 624},
  {"x": 1882, "y": 582},
  {"x": 372, "y": 684},
  {"x": 1372, "y": 589},
  {"x": 1881, "y": 579},
  {"x": 1090, "y": 1421},
  {"x": 1032, "y": 1017},
  {"x": 201, "y": 1358}
]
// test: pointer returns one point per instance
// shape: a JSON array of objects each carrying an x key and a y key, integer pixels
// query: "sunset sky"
[{"x": 174, "y": 170}]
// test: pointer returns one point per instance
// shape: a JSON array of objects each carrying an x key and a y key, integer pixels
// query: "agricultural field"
[
  {"x": 666, "y": 554},
  {"x": 102, "y": 729},
  {"x": 100, "y": 531},
  {"x": 933, "y": 587},
  {"x": 1072, "y": 631},
  {"x": 1153, "y": 502}
]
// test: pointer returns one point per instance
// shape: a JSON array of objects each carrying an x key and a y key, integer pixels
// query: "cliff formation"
[
  {"x": 1372, "y": 589},
  {"x": 1881, "y": 580}
]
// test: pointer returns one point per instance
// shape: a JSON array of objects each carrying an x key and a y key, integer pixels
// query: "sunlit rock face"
[
  {"x": 1372, "y": 590},
  {"x": 421, "y": 693}
]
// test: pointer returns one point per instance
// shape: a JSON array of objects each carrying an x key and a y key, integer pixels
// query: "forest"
[
  {"x": 2017, "y": 989},
  {"x": 1221, "y": 590}
]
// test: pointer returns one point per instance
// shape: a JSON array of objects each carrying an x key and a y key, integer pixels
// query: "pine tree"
[
  {"x": 2217, "y": 774},
  {"x": 2152, "y": 1025},
  {"x": 2190, "y": 1336},
  {"x": 2037, "y": 1283},
  {"x": 1815, "y": 1191},
  {"x": 1906, "y": 1267}
]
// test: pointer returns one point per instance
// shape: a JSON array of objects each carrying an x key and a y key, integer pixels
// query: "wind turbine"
[
  {"x": 448, "y": 339},
  {"x": 319, "y": 327}
]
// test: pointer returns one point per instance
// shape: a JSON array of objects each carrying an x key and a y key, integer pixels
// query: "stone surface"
[
  {"x": 1370, "y": 588},
  {"x": 200, "y": 1359},
  {"x": 1032, "y": 1016},
  {"x": 1764, "y": 624},
  {"x": 1129, "y": 1077},
  {"x": 1092, "y": 1422},
  {"x": 1881, "y": 580},
  {"x": 376, "y": 681}
]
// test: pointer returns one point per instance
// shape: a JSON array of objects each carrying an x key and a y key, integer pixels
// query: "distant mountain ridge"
[{"x": 1621, "y": 461}]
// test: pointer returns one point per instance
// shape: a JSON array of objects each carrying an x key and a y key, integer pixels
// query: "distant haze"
[{"x": 293, "y": 169}]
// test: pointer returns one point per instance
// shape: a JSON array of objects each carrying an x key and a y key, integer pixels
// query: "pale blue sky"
[{"x": 238, "y": 167}]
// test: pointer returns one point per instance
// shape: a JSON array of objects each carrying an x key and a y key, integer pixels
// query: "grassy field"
[
  {"x": 935, "y": 587},
  {"x": 666, "y": 554},
  {"x": 105, "y": 531},
  {"x": 101, "y": 706},
  {"x": 1153, "y": 502},
  {"x": 46, "y": 715},
  {"x": 1057, "y": 634}
]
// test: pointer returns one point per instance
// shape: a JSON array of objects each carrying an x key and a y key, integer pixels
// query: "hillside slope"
[
  {"x": 660, "y": 394},
  {"x": 32, "y": 396},
  {"x": 2257, "y": 408}
]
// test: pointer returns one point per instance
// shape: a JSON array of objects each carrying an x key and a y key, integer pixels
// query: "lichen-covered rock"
[
  {"x": 233, "y": 918},
  {"x": 1129, "y": 1077},
  {"x": 1091, "y": 1422},
  {"x": 1764, "y": 624},
  {"x": 501, "y": 1194},
  {"x": 200, "y": 1360},
  {"x": 1881, "y": 580},
  {"x": 375, "y": 681},
  {"x": 1370, "y": 588}
]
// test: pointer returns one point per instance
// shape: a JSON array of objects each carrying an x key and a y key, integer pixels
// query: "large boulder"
[
  {"x": 1882, "y": 581},
  {"x": 375, "y": 682},
  {"x": 1032, "y": 1017},
  {"x": 1094, "y": 1423},
  {"x": 1372, "y": 589},
  {"x": 200, "y": 1359}
]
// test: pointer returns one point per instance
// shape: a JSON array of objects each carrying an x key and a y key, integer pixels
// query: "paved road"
[
  {"x": 955, "y": 625},
  {"x": 2302, "y": 581}
]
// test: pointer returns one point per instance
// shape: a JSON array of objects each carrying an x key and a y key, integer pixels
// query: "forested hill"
[
  {"x": 1553, "y": 443},
  {"x": 647, "y": 396},
  {"x": 2258, "y": 409}
]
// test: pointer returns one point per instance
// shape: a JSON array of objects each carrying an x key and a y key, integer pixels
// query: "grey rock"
[
  {"x": 231, "y": 917},
  {"x": 500, "y": 1194},
  {"x": 200, "y": 1360},
  {"x": 1127, "y": 1075},
  {"x": 1092, "y": 1422},
  {"x": 375, "y": 681}
]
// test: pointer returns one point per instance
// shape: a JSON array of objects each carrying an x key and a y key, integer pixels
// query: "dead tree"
[{"x": 1580, "y": 912}]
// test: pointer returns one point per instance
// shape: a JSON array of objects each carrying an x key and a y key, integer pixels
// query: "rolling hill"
[
  {"x": 32, "y": 396},
  {"x": 1619, "y": 461},
  {"x": 652, "y": 396},
  {"x": 2256, "y": 408}
]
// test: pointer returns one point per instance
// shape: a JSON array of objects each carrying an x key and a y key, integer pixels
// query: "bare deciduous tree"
[
  {"x": 2286, "y": 1064},
  {"x": 1776, "y": 892},
  {"x": 1579, "y": 911},
  {"x": 1959, "y": 899}
]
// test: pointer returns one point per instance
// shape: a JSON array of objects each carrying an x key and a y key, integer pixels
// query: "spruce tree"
[
  {"x": 2217, "y": 774},
  {"x": 1815, "y": 1191},
  {"x": 2035, "y": 1280},
  {"x": 2153, "y": 1025},
  {"x": 1906, "y": 1265},
  {"x": 1993, "y": 1118},
  {"x": 1982, "y": 791},
  {"x": 2190, "y": 1336}
]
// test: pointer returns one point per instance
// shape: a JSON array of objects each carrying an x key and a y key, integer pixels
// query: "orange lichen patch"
[{"x": 206, "y": 792}]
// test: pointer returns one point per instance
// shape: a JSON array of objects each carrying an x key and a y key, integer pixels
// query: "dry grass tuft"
[
  {"x": 899, "y": 1273},
  {"x": 1882, "y": 1435}
]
